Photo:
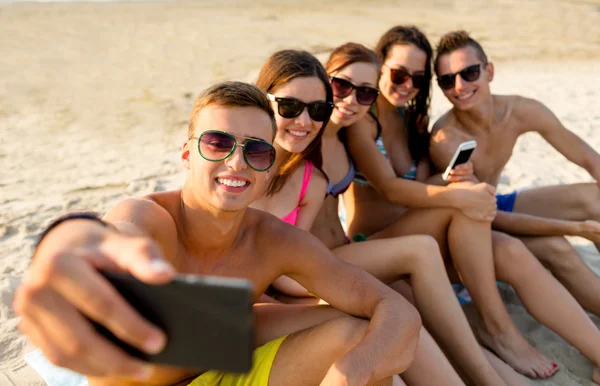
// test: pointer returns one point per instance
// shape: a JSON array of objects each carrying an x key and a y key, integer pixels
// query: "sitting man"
[
  {"x": 207, "y": 228},
  {"x": 539, "y": 216}
]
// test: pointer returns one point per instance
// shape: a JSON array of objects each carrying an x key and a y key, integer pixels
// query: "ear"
[
  {"x": 186, "y": 155},
  {"x": 490, "y": 71}
]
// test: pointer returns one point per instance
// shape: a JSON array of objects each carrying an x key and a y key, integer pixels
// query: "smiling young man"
[
  {"x": 540, "y": 216},
  {"x": 207, "y": 228}
]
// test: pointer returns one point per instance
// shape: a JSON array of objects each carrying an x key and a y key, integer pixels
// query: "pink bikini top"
[{"x": 293, "y": 215}]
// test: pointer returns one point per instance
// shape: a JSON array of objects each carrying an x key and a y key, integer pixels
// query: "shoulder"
[
  {"x": 273, "y": 236},
  {"x": 446, "y": 130},
  {"x": 365, "y": 126},
  {"x": 142, "y": 211},
  {"x": 530, "y": 114}
]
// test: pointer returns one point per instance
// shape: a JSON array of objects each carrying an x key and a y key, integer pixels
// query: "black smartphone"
[
  {"x": 208, "y": 320},
  {"x": 461, "y": 155}
]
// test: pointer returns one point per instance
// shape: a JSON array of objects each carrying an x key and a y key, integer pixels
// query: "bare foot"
[
  {"x": 596, "y": 375},
  {"x": 515, "y": 350}
]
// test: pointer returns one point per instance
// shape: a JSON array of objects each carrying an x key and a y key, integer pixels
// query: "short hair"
[
  {"x": 456, "y": 40},
  {"x": 281, "y": 68},
  {"x": 231, "y": 94},
  {"x": 351, "y": 53}
]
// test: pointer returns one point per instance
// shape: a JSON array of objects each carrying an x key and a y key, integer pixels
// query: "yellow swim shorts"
[{"x": 258, "y": 375}]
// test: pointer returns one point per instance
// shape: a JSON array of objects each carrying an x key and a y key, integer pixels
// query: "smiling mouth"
[
  {"x": 345, "y": 111},
  {"x": 232, "y": 183},
  {"x": 298, "y": 133},
  {"x": 463, "y": 97}
]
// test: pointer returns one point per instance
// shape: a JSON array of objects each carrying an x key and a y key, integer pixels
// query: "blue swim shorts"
[{"x": 506, "y": 202}]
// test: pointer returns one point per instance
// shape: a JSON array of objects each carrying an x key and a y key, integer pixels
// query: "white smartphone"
[{"x": 461, "y": 156}]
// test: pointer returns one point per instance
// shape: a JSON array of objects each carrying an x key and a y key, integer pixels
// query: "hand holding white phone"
[{"x": 461, "y": 156}]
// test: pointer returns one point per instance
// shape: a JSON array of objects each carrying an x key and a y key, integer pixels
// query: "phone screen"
[{"x": 463, "y": 157}]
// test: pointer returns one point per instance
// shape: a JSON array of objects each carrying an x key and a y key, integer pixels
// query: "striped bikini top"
[{"x": 360, "y": 178}]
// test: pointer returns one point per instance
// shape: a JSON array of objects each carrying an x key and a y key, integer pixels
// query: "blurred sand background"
[{"x": 95, "y": 97}]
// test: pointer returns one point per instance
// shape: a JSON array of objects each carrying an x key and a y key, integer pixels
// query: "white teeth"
[
  {"x": 345, "y": 111},
  {"x": 403, "y": 93},
  {"x": 298, "y": 133},
  {"x": 464, "y": 96},
  {"x": 232, "y": 183}
]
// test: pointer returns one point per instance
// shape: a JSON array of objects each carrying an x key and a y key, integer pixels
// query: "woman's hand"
[
  {"x": 462, "y": 173},
  {"x": 477, "y": 201},
  {"x": 63, "y": 286}
]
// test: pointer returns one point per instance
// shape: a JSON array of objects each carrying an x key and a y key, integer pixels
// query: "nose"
[
  {"x": 409, "y": 83},
  {"x": 236, "y": 161},
  {"x": 351, "y": 98},
  {"x": 303, "y": 119},
  {"x": 459, "y": 83}
]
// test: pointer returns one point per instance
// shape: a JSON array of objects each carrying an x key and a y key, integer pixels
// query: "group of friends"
[{"x": 286, "y": 150}]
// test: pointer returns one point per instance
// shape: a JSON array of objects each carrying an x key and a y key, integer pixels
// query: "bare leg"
[
  {"x": 419, "y": 256},
  {"x": 558, "y": 255},
  {"x": 576, "y": 202},
  {"x": 430, "y": 367},
  {"x": 305, "y": 357},
  {"x": 275, "y": 320},
  {"x": 544, "y": 297},
  {"x": 469, "y": 243}
]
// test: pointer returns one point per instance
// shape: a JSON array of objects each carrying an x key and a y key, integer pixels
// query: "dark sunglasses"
[
  {"x": 365, "y": 95},
  {"x": 319, "y": 111},
  {"x": 469, "y": 74},
  {"x": 215, "y": 146},
  {"x": 401, "y": 76}
]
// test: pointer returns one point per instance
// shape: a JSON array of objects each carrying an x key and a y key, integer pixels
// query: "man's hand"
[
  {"x": 62, "y": 287},
  {"x": 462, "y": 173},
  {"x": 589, "y": 229},
  {"x": 477, "y": 201}
]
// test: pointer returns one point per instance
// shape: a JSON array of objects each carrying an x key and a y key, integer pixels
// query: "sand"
[{"x": 95, "y": 97}]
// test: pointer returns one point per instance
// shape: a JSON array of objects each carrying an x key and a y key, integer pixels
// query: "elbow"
[{"x": 409, "y": 327}]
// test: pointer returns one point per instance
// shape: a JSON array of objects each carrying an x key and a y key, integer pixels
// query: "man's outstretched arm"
[{"x": 539, "y": 118}]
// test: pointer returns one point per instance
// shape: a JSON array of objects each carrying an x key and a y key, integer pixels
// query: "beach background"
[{"x": 95, "y": 98}]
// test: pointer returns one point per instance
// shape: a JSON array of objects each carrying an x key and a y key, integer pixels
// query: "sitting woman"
[
  {"x": 297, "y": 84},
  {"x": 390, "y": 148}
]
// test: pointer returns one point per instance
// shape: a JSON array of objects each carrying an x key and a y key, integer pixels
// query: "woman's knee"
[
  {"x": 512, "y": 259},
  {"x": 425, "y": 253}
]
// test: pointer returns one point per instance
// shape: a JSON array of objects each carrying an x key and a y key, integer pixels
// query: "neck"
[
  {"x": 204, "y": 228},
  {"x": 332, "y": 129},
  {"x": 281, "y": 156},
  {"x": 478, "y": 118},
  {"x": 384, "y": 107}
]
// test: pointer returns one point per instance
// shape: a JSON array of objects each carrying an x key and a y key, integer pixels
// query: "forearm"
[
  {"x": 418, "y": 195},
  {"x": 527, "y": 225},
  {"x": 388, "y": 347},
  {"x": 437, "y": 179}
]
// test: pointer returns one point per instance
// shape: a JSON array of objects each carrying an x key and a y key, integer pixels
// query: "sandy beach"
[{"x": 95, "y": 97}]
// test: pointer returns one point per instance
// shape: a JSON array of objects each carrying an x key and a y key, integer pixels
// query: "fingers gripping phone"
[
  {"x": 461, "y": 156},
  {"x": 208, "y": 320}
]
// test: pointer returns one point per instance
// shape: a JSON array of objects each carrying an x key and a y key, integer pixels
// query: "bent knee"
[
  {"x": 425, "y": 252},
  {"x": 557, "y": 252},
  {"x": 511, "y": 256}
]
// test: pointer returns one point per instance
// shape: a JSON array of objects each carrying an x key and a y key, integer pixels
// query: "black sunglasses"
[
  {"x": 365, "y": 95},
  {"x": 401, "y": 76},
  {"x": 319, "y": 111},
  {"x": 469, "y": 74},
  {"x": 215, "y": 146}
]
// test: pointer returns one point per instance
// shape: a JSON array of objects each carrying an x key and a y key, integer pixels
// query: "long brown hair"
[
  {"x": 418, "y": 108},
  {"x": 348, "y": 54},
  {"x": 280, "y": 69}
]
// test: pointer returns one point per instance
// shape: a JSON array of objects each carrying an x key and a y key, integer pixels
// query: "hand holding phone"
[
  {"x": 208, "y": 320},
  {"x": 461, "y": 156}
]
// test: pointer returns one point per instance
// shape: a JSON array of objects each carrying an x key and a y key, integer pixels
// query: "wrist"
[{"x": 79, "y": 221}]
